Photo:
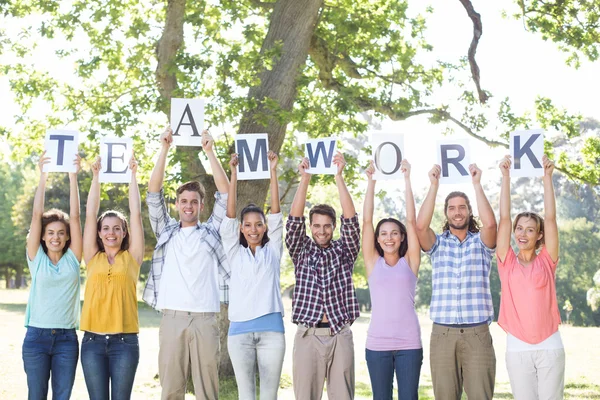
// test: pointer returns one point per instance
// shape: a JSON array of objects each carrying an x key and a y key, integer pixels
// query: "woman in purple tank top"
[{"x": 392, "y": 257}]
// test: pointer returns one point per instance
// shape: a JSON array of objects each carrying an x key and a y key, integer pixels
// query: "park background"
[{"x": 298, "y": 69}]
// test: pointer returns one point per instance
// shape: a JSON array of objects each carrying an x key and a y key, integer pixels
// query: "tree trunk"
[
  {"x": 19, "y": 275},
  {"x": 292, "y": 25}
]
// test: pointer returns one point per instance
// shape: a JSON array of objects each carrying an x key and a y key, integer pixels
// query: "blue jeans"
[
  {"x": 266, "y": 349},
  {"x": 407, "y": 364},
  {"x": 111, "y": 358},
  {"x": 46, "y": 350}
]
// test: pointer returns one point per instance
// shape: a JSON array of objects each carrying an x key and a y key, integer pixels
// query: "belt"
[{"x": 177, "y": 313}]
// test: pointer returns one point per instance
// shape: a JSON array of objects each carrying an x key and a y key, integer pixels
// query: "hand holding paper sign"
[
  {"x": 548, "y": 166},
  {"x": 96, "y": 167},
  {"x": 303, "y": 166},
  {"x": 207, "y": 141},
  {"x": 505, "y": 165},
  {"x": 273, "y": 159},
  {"x": 133, "y": 165},
  {"x": 370, "y": 172},
  {"x": 434, "y": 174},
  {"x": 339, "y": 162},
  {"x": 77, "y": 163},
  {"x": 44, "y": 160},
  {"x": 405, "y": 168},
  {"x": 233, "y": 164},
  {"x": 475, "y": 173},
  {"x": 166, "y": 138}
]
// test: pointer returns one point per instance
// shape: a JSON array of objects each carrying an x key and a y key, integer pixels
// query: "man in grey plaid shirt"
[
  {"x": 461, "y": 349},
  {"x": 188, "y": 278}
]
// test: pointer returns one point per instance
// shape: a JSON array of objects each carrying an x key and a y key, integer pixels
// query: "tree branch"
[{"x": 477, "y": 32}]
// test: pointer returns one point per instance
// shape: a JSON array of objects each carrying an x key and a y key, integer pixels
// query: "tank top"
[
  {"x": 110, "y": 300},
  {"x": 394, "y": 322}
]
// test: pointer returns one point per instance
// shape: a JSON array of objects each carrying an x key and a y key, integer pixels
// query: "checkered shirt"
[
  {"x": 324, "y": 275},
  {"x": 165, "y": 227},
  {"x": 461, "y": 280}
]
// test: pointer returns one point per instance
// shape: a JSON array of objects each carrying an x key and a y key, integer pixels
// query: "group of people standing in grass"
[{"x": 196, "y": 266}]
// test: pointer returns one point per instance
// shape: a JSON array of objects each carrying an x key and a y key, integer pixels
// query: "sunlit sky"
[{"x": 513, "y": 62}]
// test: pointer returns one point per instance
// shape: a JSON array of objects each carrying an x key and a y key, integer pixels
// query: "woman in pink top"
[
  {"x": 392, "y": 257},
  {"x": 535, "y": 356}
]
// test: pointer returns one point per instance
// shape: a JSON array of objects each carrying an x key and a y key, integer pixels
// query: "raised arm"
[
  {"x": 219, "y": 174},
  {"x": 158, "y": 173},
  {"x": 505, "y": 225},
  {"x": 297, "y": 209},
  {"x": 550, "y": 225},
  {"x": 273, "y": 159},
  {"x": 74, "y": 211},
  {"x": 91, "y": 214},
  {"x": 489, "y": 228},
  {"x": 424, "y": 231},
  {"x": 348, "y": 209},
  {"x": 368, "y": 233},
  {"x": 35, "y": 229},
  {"x": 274, "y": 219},
  {"x": 232, "y": 197},
  {"x": 413, "y": 255},
  {"x": 295, "y": 227},
  {"x": 136, "y": 234}
]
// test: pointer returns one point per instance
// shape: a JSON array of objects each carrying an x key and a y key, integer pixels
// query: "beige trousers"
[
  {"x": 462, "y": 357},
  {"x": 319, "y": 357},
  {"x": 537, "y": 375},
  {"x": 188, "y": 340}
]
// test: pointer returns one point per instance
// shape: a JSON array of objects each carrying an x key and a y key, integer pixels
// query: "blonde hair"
[{"x": 539, "y": 225}]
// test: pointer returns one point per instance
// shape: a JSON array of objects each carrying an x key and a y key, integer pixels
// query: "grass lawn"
[{"x": 582, "y": 346}]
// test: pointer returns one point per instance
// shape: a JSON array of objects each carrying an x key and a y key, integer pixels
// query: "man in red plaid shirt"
[{"x": 324, "y": 304}]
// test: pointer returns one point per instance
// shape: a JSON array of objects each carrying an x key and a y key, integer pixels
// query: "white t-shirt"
[
  {"x": 189, "y": 279},
  {"x": 514, "y": 345},
  {"x": 254, "y": 286}
]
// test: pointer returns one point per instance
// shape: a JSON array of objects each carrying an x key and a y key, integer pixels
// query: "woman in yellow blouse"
[{"x": 113, "y": 253}]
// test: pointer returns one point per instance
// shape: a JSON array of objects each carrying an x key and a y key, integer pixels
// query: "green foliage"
[
  {"x": 12, "y": 239},
  {"x": 573, "y": 24},
  {"x": 576, "y": 269}
]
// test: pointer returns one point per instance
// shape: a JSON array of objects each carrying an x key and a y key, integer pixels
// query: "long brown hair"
[
  {"x": 473, "y": 224},
  {"x": 403, "y": 246},
  {"x": 124, "y": 225},
  {"x": 55, "y": 215}
]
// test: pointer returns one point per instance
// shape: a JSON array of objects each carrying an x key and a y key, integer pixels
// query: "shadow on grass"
[
  {"x": 14, "y": 308},
  {"x": 582, "y": 390},
  {"x": 149, "y": 318}
]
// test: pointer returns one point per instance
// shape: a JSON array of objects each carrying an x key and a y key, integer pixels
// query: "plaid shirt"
[
  {"x": 324, "y": 275},
  {"x": 461, "y": 280},
  {"x": 165, "y": 227}
]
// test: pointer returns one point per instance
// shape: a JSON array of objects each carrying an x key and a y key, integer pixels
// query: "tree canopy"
[{"x": 322, "y": 67}]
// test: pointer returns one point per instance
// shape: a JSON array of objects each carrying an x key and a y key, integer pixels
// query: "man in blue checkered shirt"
[{"x": 461, "y": 349}]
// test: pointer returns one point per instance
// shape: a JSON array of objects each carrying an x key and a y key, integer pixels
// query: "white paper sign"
[
  {"x": 115, "y": 154},
  {"x": 388, "y": 152},
  {"x": 252, "y": 152},
  {"x": 61, "y": 146},
  {"x": 454, "y": 157},
  {"x": 527, "y": 150},
  {"x": 187, "y": 121},
  {"x": 320, "y": 154}
]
